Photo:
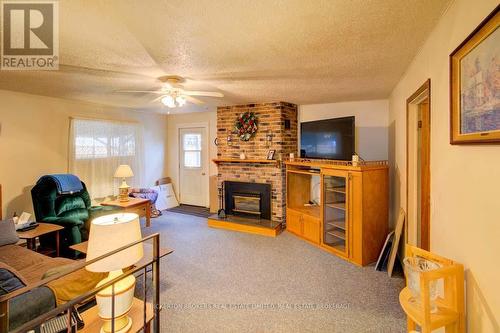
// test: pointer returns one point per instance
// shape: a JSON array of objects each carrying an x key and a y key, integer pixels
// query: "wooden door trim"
[
  {"x": 178, "y": 128},
  {"x": 426, "y": 86}
]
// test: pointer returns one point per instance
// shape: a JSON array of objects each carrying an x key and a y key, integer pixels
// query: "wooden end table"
[
  {"x": 42, "y": 229},
  {"x": 141, "y": 207},
  {"x": 93, "y": 322}
]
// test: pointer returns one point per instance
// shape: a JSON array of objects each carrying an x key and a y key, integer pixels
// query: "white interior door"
[{"x": 193, "y": 168}]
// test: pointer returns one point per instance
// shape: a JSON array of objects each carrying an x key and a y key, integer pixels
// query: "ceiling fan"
[{"x": 172, "y": 93}]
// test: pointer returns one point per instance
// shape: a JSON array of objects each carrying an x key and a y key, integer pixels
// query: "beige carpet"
[{"x": 224, "y": 281}]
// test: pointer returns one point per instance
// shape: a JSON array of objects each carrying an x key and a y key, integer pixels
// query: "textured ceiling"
[{"x": 252, "y": 51}]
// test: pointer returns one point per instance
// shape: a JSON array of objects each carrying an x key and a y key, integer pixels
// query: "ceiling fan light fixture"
[
  {"x": 181, "y": 101},
  {"x": 168, "y": 101}
]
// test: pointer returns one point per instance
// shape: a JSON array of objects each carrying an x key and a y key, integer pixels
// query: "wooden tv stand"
[{"x": 351, "y": 219}]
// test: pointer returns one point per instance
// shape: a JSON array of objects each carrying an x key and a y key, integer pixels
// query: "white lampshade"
[
  {"x": 123, "y": 171},
  {"x": 111, "y": 232}
]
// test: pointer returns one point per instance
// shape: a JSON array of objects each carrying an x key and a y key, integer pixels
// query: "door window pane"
[
  {"x": 192, "y": 159},
  {"x": 192, "y": 141}
]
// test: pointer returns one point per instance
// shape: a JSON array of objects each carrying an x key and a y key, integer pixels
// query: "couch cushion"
[
  {"x": 8, "y": 234},
  {"x": 29, "y": 264}
]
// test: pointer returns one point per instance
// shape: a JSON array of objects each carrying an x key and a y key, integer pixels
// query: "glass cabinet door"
[{"x": 335, "y": 212}]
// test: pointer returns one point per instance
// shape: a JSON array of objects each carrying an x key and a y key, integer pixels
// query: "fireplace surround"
[{"x": 277, "y": 131}]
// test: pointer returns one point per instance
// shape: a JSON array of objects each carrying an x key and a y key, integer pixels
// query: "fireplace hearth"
[{"x": 252, "y": 200}]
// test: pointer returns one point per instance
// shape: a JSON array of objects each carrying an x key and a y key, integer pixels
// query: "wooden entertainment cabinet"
[{"x": 349, "y": 214}]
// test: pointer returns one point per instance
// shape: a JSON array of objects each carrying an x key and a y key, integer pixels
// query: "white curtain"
[{"x": 98, "y": 147}]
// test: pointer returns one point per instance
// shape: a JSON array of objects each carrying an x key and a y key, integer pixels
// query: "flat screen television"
[{"x": 328, "y": 139}]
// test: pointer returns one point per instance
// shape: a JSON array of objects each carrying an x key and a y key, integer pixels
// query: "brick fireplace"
[{"x": 277, "y": 131}]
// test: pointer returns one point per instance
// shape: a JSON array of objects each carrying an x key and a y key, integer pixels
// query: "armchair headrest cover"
[{"x": 65, "y": 183}]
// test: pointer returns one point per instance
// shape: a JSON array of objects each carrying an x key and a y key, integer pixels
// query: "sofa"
[
  {"x": 20, "y": 267},
  {"x": 64, "y": 200}
]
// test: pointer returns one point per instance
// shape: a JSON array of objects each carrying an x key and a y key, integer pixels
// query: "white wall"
[
  {"x": 465, "y": 181},
  {"x": 372, "y": 121},
  {"x": 34, "y": 136},
  {"x": 175, "y": 120}
]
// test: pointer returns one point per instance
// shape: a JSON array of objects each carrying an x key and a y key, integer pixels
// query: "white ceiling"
[{"x": 300, "y": 51}]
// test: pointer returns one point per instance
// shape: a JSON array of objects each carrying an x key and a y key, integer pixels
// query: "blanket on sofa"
[{"x": 72, "y": 285}]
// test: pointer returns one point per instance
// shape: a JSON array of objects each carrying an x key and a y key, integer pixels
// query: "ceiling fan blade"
[
  {"x": 142, "y": 91},
  {"x": 194, "y": 100},
  {"x": 156, "y": 99},
  {"x": 202, "y": 93}
]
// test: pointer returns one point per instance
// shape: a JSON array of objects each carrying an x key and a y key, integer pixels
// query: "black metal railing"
[{"x": 70, "y": 305}]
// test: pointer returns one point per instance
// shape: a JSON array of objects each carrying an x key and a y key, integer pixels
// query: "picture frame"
[
  {"x": 475, "y": 85},
  {"x": 270, "y": 154}
]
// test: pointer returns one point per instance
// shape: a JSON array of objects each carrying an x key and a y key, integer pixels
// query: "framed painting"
[{"x": 475, "y": 85}]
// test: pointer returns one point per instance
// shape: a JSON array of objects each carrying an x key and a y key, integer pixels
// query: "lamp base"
[
  {"x": 124, "y": 297},
  {"x": 106, "y": 328},
  {"x": 123, "y": 195},
  {"x": 123, "y": 192}
]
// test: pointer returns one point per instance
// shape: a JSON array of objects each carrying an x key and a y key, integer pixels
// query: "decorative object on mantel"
[
  {"x": 450, "y": 310},
  {"x": 246, "y": 125},
  {"x": 474, "y": 91},
  {"x": 270, "y": 154}
]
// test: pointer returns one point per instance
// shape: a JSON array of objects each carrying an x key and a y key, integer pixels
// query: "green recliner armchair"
[{"x": 65, "y": 201}]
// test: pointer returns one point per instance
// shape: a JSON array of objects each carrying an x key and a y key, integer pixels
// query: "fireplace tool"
[{"x": 221, "y": 213}]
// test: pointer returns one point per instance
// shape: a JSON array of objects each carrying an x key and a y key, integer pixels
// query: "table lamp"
[
  {"x": 123, "y": 171},
  {"x": 108, "y": 233}
]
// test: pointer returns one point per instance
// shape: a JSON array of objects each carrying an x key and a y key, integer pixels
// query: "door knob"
[{"x": 203, "y": 174}]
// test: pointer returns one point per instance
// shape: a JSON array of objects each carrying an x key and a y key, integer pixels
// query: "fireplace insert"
[{"x": 248, "y": 199}]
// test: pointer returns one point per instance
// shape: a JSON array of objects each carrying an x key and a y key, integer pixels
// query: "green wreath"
[{"x": 246, "y": 125}]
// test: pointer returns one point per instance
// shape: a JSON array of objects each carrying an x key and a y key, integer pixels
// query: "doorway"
[
  {"x": 193, "y": 166},
  {"x": 418, "y": 147}
]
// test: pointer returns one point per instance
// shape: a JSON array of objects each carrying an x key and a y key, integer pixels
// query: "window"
[
  {"x": 97, "y": 147},
  {"x": 103, "y": 139},
  {"x": 192, "y": 150}
]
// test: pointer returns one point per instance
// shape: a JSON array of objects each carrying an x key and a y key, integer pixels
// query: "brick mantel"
[{"x": 271, "y": 121}]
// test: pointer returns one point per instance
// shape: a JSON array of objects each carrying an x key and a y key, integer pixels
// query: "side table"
[
  {"x": 93, "y": 322},
  {"x": 141, "y": 207},
  {"x": 43, "y": 229}
]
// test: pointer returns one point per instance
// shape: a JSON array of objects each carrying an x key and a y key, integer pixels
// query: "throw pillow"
[{"x": 8, "y": 234}]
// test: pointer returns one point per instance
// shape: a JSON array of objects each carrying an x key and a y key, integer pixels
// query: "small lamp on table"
[
  {"x": 123, "y": 171},
  {"x": 108, "y": 233}
]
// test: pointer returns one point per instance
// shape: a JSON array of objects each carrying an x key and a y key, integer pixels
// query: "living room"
[{"x": 204, "y": 134}]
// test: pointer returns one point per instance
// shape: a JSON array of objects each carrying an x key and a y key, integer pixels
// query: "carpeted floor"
[
  {"x": 191, "y": 210},
  {"x": 224, "y": 281}
]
